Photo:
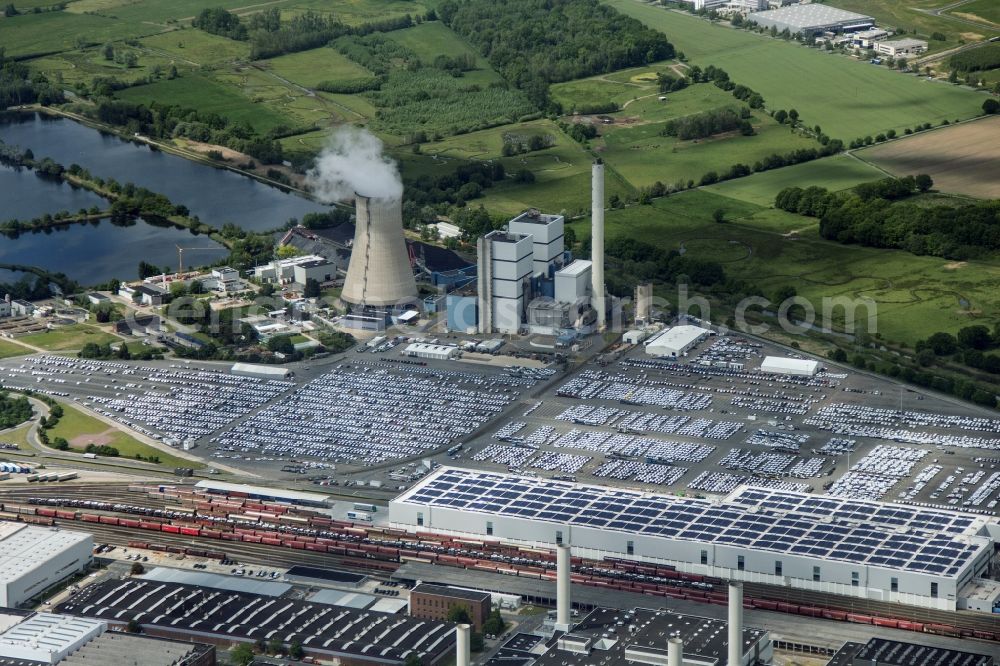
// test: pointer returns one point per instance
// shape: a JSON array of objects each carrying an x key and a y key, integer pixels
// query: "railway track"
[
  {"x": 269, "y": 555},
  {"x": 245, "y": 553},
  {"x": 960, "y": 619}
]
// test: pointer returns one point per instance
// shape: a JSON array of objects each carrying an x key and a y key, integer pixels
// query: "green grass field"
[
  {"x": 915, "y": 296},
  {"x": 429, "y": 40},
  {"x": 847, "y": 98},
  {"x": 77, "y": 425},
  {"x": 9, "y": 349},
  {"x": 72, "y": 337},
  {"x": 195, "y": 47},
  {"x": 913, "y": 15},
  {"x": 562, "y": 172},
  {"x": 18, "y": 436},
  {"x": 643, "y": 157},
  {"x": 620, "y": 87},
  {"x": 834, "y": 173},
  {"x": 987, "y": 10},
  {"x": 354, "y": 12},
  {"x": 205, "y": 94},
  {"x": 54, "y": 32},
  {"x": 164, "y": 12},
  {"x": 309, "y": 68},
  {"x": 82, "y": 66}
]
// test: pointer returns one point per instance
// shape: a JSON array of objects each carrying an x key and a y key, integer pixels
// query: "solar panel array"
[{"x": 838, "y": 529}]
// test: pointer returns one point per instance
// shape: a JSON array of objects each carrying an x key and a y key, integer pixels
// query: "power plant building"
[
  {"x": 33, "y": 559},
  {"x": 899, "y": 553},
  {"x": 547, "y": 236},
  {"x": 506, "y": 261},
  {"x": 573, "y": 282}
]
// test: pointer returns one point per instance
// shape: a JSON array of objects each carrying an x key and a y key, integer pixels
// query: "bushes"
[
  {"x": 218, "y": 21},
  {"x": 706, "y": 123},
  {"x": 432, "y": 100}
]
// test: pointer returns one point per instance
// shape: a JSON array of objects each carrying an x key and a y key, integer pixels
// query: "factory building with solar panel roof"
[{"x": 872, "y": 550}]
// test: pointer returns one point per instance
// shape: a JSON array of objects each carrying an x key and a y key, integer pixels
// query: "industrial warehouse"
[
  {"x": 905, "y": 554},
  {"x": 812, "y": 19},
  {"x": 34, "y": 559}
]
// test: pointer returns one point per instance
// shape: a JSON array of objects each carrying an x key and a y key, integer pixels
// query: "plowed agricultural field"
[{"x": 962, "y": 159}]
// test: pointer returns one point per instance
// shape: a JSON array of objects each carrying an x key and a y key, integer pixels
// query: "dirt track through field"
[{"x": 962, "y": 159}]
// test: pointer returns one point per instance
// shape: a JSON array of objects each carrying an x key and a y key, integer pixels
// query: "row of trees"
[
  {"x": 916, "y": 371},
  {"x": 969, "y": 346},
  {"x": 269, "y": 36},
  {"x": 533, "y": 43}
]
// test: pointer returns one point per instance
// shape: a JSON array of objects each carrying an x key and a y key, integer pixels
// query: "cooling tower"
[{"x": 379, "y": 274}]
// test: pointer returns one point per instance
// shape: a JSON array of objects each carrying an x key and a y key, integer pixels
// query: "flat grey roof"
[
  {"x": 810, "y": 15},
  {"x": 201, "y": 613},
  {"x": 218, "y": 582},
  {"x": 453, "y": 592},
  {"x": 644, "y": 629}
]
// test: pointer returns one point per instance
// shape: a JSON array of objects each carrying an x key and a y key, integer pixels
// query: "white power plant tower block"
[
  {"x": 675, "y": 652},
  {"x": 735, "y": 624},
  {"x": 463, "y": 645},
  {"x": 564, "y": 602},
  {"x": 379, "y": 274},
  {"x": 597, "y": 242}
]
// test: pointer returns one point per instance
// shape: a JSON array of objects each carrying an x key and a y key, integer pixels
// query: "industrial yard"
[{"x": 702, "y": 424}]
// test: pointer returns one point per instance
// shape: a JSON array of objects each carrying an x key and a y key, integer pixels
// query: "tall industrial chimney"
[
  {"x": 564, "y": 602},
  {"x": 379, "y": 274},
  {"x": 675, "y": 652},
  {"x": 597, "y": 241},
  {"x": 735, "y": 624},
  {"x": 463, "y": 647}
]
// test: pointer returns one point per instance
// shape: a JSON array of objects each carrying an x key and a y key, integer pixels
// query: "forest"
[
  {"x": 19, "y": 86},
  {"x": 878, "y": 215},
  {"x": 533, "y": 43}
]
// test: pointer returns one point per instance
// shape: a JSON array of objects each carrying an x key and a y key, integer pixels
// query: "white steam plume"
[{"x": 352, "y": 162}]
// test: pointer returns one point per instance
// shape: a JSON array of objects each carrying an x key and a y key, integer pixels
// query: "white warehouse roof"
[
  {"x": 675, "y": 340},
  {"x": 428, "y": 350},
  {"x": 24, "y": 548},
  {"x": 781, "y": 365},
  {"x": 48, "y": 637},
  {"x": 260, "y": 491},
  {"x": 270, "y": 371}
]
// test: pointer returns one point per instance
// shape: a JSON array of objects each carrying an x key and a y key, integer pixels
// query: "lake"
[
  {"x": 24, "y": 195},
  {"x": 94, "y": 253},
  {"x": 216, "y": 196}
]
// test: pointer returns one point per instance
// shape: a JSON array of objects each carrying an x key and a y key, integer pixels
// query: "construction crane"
[{"x": 180, "y": 254}]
